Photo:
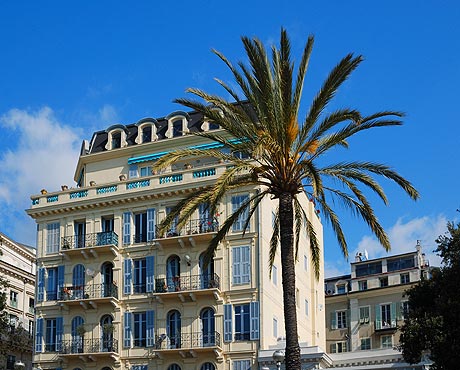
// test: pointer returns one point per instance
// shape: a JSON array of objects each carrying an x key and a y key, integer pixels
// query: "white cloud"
[
  {"x": 404, "y": 235},
  {"x": 43, "y": 155}
]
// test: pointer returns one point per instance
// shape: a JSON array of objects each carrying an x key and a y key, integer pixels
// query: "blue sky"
[{"x": 70, "y": 68}]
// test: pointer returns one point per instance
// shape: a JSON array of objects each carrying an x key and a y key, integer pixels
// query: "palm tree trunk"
[{"x": 286, "y": 211}]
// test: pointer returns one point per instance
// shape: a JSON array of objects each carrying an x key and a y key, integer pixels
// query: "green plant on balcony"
[
  {"x": 80, "y": 330},
  {"x": 108, "y": 328}
]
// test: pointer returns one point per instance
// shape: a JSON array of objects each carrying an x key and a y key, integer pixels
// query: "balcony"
[
  {"x": 89, "y": 349},
  {"x": 187, "y": 287},
  {"x": 386, "y": 326},
  {"x": 89, "y": 295},
  {"x": 89, "y": 244},
  {"x": 188, "y": 345},
  {"x": 195, "y": 230}
]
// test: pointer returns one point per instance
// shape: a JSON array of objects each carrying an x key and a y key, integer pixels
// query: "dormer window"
[
  {"x": 146, "y": 131},
  {"x": 116, "y": 137},
  {"x": 209, "y": 125},
  {"x": 177, "y": 124}
]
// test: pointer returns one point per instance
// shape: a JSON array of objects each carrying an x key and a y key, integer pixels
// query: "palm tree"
[{"x": 263, "y": 123}]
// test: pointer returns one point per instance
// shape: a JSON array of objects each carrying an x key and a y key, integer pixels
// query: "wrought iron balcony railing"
[
  {"x": 93, "y": 291},
  {"x": 89, "y": 240},
  {"x": 187, "y": 282},
  {"x": 192, "y": 227},
  {"x": 186, "y": 341},
  {"x": 81, "y": 345}
]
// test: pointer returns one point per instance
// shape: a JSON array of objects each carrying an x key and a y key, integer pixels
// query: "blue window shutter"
[
  {"x": 378, "y": 317},
  {"x": 236, "y": 264},
  {"x": 59, "y": 330},
  {"x": 127, "y": 228},
  {"x": 150, "y": 272},
  {"x": 254, "y": 315},
  {"x": 228, "y": 323},
  {"x": 41, "y": 284},
  {"x": 133, "y": 173},
  {"x": 150, "y": 332},
  {"x": 39, "y": 335},
  {"x": 128, "y": 267},
  {"x": 60, "y": 281},
  {"x": 127, "y": 318},
  {"x": 245, "y": 264},
  {"x": 150, "y": 224}
]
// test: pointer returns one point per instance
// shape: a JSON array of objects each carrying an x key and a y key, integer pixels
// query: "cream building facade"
[
  {"x": 365, "y": 310},
  {"x": 17, "y": 266},
  {"x": 112, "y": 293}
]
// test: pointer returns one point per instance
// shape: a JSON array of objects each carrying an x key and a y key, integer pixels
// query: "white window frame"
[
  {"x": 367, "y": 340},
  {"x": 382, "y": 338},
  {"x": 342, "y": 322},
  {"x": 123, "y": 142},
  {"x": 405, "y": 275},
  {"x": 342, "y": 344},
  {"x": 140, "y": 132},
  {"x": 241, "y": 364},
  {"x": 363, "y": 318},
  {"x": 170, "y": 132},
  {"x": 362, "y": 285}
]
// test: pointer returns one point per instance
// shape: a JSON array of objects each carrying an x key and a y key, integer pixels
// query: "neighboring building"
[
  {"x": 17, "y": 266},
  {"x": 114, "y": 294},
  {"x": 365, "y": 309}
]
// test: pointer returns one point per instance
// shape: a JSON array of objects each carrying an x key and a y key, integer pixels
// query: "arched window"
[
  {"x": 173, "y": 323},
  {"x": 116, "y": 140},
  {"x": 208, "y": 366},
  {"x": 78, "y": 281},
  {"x": 208, "y": 327},
  {"x": 174, "y": 367},
  {"x": 173, "y": 273},
  {"x": 146, "y": 131}
]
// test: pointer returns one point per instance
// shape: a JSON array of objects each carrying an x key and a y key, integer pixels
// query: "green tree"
[
  {"x": 433, "y": 323},
  {"x": 264, "y": 123}
]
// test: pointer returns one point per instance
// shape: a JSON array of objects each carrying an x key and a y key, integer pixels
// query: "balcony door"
[
  {"x": 77, "y": 334},
  {"x": 206, "y": 274},
  {"x": 107, "y": 280},
  {"x": 173, "y": 273},
  {"x": 107, "y": 327},
  {"x": 78, "y": 281},
  {"x": 174, "y": 328},
  {"x": 208, "y": 327},
  {"x": 80, "y": 231}
]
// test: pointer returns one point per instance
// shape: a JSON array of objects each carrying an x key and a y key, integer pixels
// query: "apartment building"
[
  {"x": 17, "y": 267},
  {"x": 113, "y": 293},
  {"x": 365, "y": 309}
]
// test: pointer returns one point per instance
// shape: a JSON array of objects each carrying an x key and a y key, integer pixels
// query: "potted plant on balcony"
[
  {"x": 80, "y": 329},
  {"x": 108, "y": 328}
]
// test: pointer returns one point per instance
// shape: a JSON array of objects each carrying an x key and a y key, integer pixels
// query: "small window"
[
  {"x": 116, "y": 140},
  {"x": 383, "y": 282},
  {"x": 241, "y": 265},
  {"x": 177, "y": 128},
  {"x": 145, "y": 171},
  {"x": 213, "y": 126},
  {"x": 362, "y": 285},
  {"x": 275, "y": 327},
  {"x": 305, "y": 263},
  {"x": 306, "y": 307},
  {"x": 404, "y": 309},
  {"x": 133, "y": 171},
  {"x": 339, "y": 347},
  {"x": 275, "y": 275},
  {"x": 365, "y": 344},
  {"x": 405, "y": 279},
  {"x": 364, "y": 315},
  {"x": 147, "y": 134},
  {"x": 341, "y": 319},
  {"x": 341, "y": 289},
  {"x": 387, "y": 341},
  {"x": 242, "y": 365},
  {"x": 13, "y": 298},
  {"x": 242, "y": 322}
]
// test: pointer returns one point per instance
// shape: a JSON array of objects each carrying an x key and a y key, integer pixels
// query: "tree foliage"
[
  {"x": 433, "y": 324},
  {"x": 262, "y": 121}
]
